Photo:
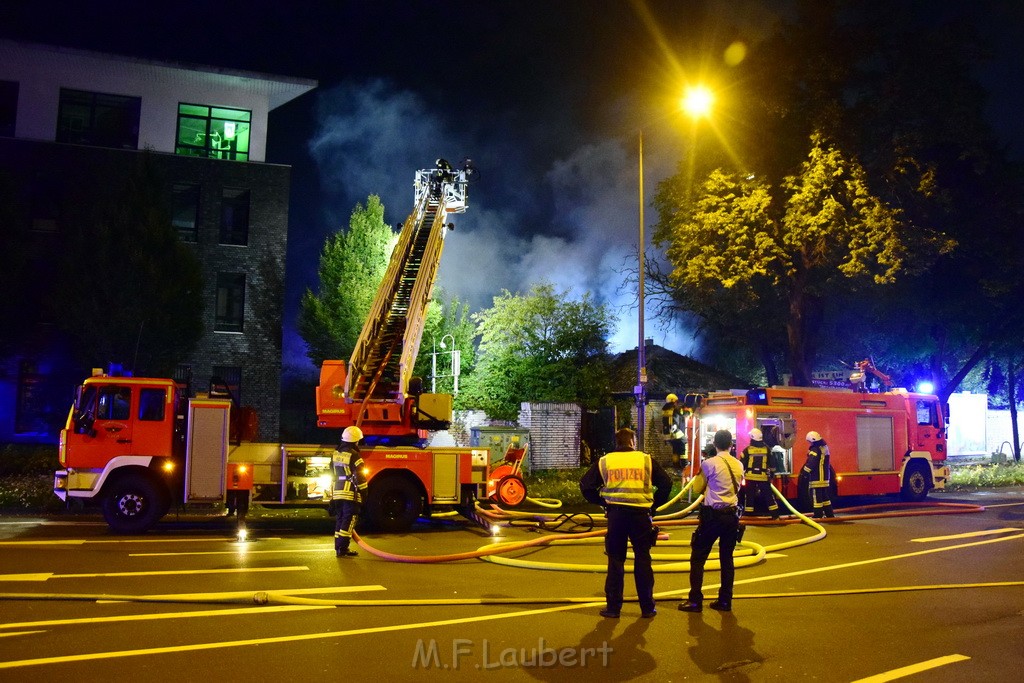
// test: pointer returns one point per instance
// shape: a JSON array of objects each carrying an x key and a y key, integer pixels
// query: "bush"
[
  {"x": 20, "y": 459},
  {"x": 965, "y": 478}
]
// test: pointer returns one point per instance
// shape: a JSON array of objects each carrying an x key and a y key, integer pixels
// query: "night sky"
[{"x": 547, "y": 98}]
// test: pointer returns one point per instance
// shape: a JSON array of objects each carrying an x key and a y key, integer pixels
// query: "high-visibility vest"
[
  {"x": 756, "y": 463},
  {"x": 627, "y": 479}
]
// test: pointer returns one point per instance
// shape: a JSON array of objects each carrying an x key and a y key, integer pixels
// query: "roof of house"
[{"x": 669, "y": 372}]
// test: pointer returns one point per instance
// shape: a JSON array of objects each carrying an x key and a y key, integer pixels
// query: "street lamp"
[
  {"x": 696, "y": 102},
  {"x": 455, "y": 354}
]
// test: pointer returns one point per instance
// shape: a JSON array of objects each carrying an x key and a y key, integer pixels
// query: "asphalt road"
[{"x": 924, "y": 598}]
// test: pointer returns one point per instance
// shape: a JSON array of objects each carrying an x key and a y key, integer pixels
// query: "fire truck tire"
[
  {"x": 393, "y": 504},
  {"x": 511, "y": 491},
  {"x": 134, "y": 503},
  {"x": 916, "y": 483}
]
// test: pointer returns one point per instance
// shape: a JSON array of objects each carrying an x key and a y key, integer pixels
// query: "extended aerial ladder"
[{"x": 375, "y": 391}]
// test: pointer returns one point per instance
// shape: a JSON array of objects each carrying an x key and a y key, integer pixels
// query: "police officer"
[
  {"x": 818, "y": 471},
  {"x": 349, "y": 487},
  {"x": 759, "y": 474},
  {"x": 673, "y": 428},
  {"x": 719, "y": 481},
  {"x": 630, "y": 485}
]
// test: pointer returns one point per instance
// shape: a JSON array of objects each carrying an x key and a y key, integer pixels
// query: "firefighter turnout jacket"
[
  {"x": 817, "y": 465},
  {"x": 756, "y": 463},
  {"x": 349, "y": 482}
]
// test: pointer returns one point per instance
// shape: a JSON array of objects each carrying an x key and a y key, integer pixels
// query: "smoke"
[{"x": 569, "y": 220}]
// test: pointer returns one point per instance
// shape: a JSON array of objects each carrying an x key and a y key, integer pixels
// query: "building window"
[
  {"x": 214, "y": 132},
  {"x": 230, "y": 302},
  {"x": 226, "y": 382},
  {"x": 234, "y": 216},
  {"x": 8, "y": 107},
  {"x": 92, "y": 118},
  {"x": 185, "y": 211}
]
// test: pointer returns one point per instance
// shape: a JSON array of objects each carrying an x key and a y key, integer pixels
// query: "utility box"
[{"x": 497, "y": 439}]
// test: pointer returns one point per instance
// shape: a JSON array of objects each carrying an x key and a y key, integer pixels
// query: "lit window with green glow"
[{"x": 213, "y": 132}]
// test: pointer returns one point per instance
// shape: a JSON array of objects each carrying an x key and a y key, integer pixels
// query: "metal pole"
[
  {"x": 641, "y": 352},
  {"x": 433, "y": 367}
]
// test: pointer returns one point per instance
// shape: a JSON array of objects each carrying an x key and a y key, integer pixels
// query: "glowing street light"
[{"x": 697, "y": 102}]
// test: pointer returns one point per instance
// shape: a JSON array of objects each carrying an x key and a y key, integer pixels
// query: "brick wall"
[{"x": 554, "y": 434}]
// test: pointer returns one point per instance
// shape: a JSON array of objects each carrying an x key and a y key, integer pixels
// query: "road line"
[
  {"x": 245, "y": 551},
  {"x": 95, "y": 656},
  {"x": 250, "y": 593},
  {"x": 162, "y": 615},
  {"x": 205, "y": 539},
  {"x": 20, "y": 633},
  {"x": 167, "y": 572},
  {"x": 913, "y": 669},
  {"x": 973, "y": 534}
]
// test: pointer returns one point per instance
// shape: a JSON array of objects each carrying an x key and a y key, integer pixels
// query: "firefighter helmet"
[
  {"x": 813, "y": 436},
  {"x": 671, "y": 398},
  {"x": 756, "y": 435},
  {"x": 352, "y": 435}
]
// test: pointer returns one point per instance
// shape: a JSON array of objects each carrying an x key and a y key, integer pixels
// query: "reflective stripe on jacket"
[{"x": 627, "y": 479}]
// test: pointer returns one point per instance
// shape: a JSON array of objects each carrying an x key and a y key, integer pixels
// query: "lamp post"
[
  {"x": 696, "y": 102},
  {"x": 454, "y": 366}
]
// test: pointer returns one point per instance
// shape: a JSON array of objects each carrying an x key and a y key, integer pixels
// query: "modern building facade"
[{"x": 68, "y": 117}]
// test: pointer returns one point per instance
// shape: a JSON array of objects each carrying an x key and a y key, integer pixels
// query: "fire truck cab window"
[
  {"x": 151, "y": 405},
  {"x": 115, "y": 403},
  {"x": 926, "y": 414}
]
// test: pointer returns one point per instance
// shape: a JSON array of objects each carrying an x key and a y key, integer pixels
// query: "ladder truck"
[{"x": 138, "y": 446}]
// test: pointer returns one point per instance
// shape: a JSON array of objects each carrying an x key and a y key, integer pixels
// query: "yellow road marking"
[
  {"x": 245, "y": 594},
  {"x": 913, "y": 669},
  {"x": 281, "y": 639},
  {"x": 973, "y": 534},
  {"x": 240, "y": 550},
  {"x": 169, "y": 572},
  {"x": 204, "y": 539},
  {"x": 20, "y": 633},
  {"x": 163, "y": 615}
]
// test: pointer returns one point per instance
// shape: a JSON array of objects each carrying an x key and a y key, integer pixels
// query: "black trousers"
[
  {"x": 632, "y": 525},
  {"x": 714, "y": 525},
  {"x": 347, "y": 512}
]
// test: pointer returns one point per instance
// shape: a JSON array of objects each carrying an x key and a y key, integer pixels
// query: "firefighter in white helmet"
[
  {"x": 349, "y": 487},
  {"x": 758, "y": 475},
  {"x": 818, "y": 471},
  {"x": 673, "y": 429}
]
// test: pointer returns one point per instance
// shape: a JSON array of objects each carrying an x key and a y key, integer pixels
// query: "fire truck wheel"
[
  {"x": 511, "y": 491},
  {"x": 133, "y": 504},
  {"x": 915, "y": 483},
  {"x": 393, "y": 504}
]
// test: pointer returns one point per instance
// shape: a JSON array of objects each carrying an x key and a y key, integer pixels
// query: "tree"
[
  {"x": 539, "y": 347},
  {"x": 352, "y": 265},
  {"x": 127, "y": 290},
  {"x": 743, "y": 248}
]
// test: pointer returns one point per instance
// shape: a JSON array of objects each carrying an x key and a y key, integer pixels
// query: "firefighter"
[
  {"x": 718, "y": 520},
  {"x": 818, "y": 472},
  {"x": 349, "y": 487},
  {"x": 630, "y": 485},
  {"x": 759, "y": 473},
  {"x": 673, "y": 427}
]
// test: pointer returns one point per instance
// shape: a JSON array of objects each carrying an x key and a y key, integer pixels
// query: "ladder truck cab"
[
  {"x": 880, "y": 443},
  {"x": 138, "y": 446}
]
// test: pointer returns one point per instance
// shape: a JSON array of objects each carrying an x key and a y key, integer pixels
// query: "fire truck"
[
  {"x": 888, "y": 442},
  {"x": 138, "y": 446}
]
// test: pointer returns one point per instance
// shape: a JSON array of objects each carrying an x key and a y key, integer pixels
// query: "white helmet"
[
  {"x": 813, "y": 436},
  {"x": 756, "y": 435},
  {"x": 352, "y": 435}
]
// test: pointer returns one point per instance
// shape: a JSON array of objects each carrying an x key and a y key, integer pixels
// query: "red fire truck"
[
  {"x": 138, "y": 446},
  {"x": 880, "y": 443}
]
